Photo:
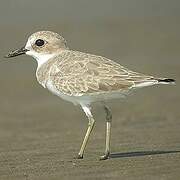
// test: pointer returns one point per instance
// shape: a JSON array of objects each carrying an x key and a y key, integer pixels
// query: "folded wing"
[{"x": 75, "y": 73}]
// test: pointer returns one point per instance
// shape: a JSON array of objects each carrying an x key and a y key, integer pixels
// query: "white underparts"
[{"x": 147, "y": 83}]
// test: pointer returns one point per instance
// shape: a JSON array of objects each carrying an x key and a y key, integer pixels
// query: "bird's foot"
[
  {"x": 79, "y": 156},
  {"x": 105, "y": 156}
]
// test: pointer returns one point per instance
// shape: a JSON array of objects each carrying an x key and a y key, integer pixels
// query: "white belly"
[
  {"x": 74, "y": 99},
  {"x": 85, "y": 99}
]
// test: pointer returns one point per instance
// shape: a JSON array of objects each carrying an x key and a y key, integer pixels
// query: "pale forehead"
[{"x": 46, "y": 35}]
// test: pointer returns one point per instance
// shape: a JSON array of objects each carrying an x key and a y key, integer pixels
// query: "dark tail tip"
[{"x": 166, "y": 80}]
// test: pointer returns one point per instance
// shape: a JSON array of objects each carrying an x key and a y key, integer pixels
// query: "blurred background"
[{"x": 40, "y": 133}]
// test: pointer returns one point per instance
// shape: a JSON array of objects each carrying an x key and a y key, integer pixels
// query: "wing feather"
[{"x": 76, "y": 73}]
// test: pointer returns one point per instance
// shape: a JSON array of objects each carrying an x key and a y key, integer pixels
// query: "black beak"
[{"x": 16, "y": 52}]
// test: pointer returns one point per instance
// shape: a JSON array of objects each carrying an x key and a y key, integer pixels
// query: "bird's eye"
[{"x": 39, "y": 42}]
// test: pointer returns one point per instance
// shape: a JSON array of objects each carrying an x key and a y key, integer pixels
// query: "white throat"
[{"x": 40, "y": 58}]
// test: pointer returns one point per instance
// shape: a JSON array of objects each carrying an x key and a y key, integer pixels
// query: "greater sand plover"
[{"x": 82, "y": 78}]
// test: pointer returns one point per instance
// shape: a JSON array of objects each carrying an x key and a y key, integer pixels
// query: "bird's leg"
[
  {"x": 108, "y": 133},
  {"x": 91, "y": 122}
]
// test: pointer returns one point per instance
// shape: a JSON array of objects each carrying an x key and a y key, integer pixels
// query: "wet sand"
[{"x": 40, "y": 134}]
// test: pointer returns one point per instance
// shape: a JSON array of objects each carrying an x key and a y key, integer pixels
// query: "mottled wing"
[{"x": 76, "y": 73}]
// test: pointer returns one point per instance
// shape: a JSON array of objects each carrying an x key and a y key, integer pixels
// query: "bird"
[{"x": 82, "y": 78}]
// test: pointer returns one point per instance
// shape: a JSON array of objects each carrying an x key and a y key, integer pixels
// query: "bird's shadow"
[{"x": 140, "y": 153}]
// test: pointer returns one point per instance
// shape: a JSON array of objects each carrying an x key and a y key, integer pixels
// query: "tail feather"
[
  {"x": 154, "y": 81},
  {"x": 166, "y": 81}
]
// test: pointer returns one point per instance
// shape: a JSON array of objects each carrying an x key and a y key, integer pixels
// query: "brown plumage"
[{"x": 76, "y": 73}]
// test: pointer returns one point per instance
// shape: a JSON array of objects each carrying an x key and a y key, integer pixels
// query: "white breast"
[
  {"x": 85, "y": 99},
  {"x": 75, "y": 100}
]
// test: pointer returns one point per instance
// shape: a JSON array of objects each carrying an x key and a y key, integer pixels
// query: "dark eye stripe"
[{"x": 39, "y": 42}]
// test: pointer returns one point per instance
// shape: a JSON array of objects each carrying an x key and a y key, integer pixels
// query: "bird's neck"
[
  {"x": 45, "y": 62},
  {"x": 43, "y": 58},
  {"x": 42, "y": 72}
]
